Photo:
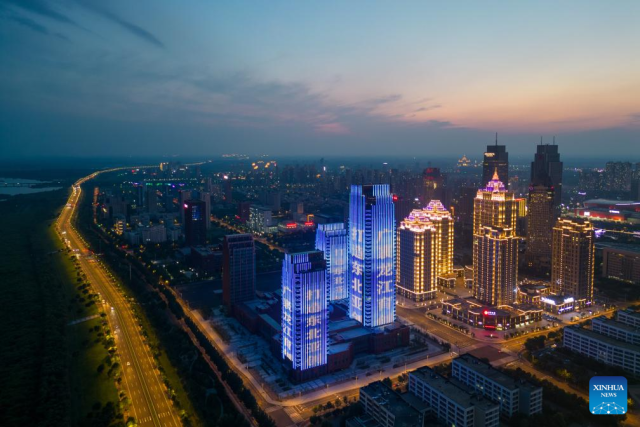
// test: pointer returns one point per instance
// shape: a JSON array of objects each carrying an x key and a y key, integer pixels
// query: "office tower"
[
  {"x": 619, "y": 176},
  {"x": 496, "y": 160},
  {"x": 195, "y": 229},
  {"x": 152, "y": 200},
  {"x": 206, "y": 198},
  {"x": 332, "y": 240},
  {"x": 183, "y": 197},
  {"x": 443, "y": 223},
  {"x": 372, "y": 297},
  {"x": 541, "y": 217},
  {"x": 305, "y": 300},
  {"x": 494, "y": 206},
  {"x": 464, "y": 210},
  {"x": 238, "y": 269},
  {"x": 433, "y": 182},
  {"x": 495, "y": 265},
  {"x": 260, "y": 219},
  {"x": 546, "y": 170},
  {"x": 573, "y": 259},
  {"x": 227, "y": 189},
  {"x": 417, "y": 261}
]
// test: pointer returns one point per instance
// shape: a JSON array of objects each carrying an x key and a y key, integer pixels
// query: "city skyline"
[{"x": 91, "y": 80}]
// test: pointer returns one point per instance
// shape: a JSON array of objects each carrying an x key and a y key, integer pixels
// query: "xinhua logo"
[{"x": 608, "y": 395}]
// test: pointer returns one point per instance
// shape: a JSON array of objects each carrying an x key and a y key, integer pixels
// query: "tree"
[{"x": 387, "y": 381}]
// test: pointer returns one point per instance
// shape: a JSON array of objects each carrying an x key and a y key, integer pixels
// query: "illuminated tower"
[
  {"x": 417, "y": 261},
  {"x": 496, "y": 160},
  {"x": 443, "y": 223},
  {"x": 372, "y": 298},
  {"x": 332, "y": 240},
  {"x": 495, "y": 245},
  {"x": 495, "y": 265},
  {"x": 494, "y": 206},
  {"x": 305, "y": 301},
  {"x": 573, "y": 259}
]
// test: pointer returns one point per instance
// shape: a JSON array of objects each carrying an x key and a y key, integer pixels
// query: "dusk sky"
[{"x": 195, "y": 77}]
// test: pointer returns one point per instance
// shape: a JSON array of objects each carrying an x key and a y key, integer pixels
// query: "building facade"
[
  {"x": 443, "y": 222},
  {"x": 512, "y": 396},
  {"x": 622, "y": 263},
  {"x": 332, "y": 239},
  {"x": 494, "y": 206},
  {"x": 450, "y": 403},
  {"x": 238, "y": 269},
  {"x": 417, "y": 262},
  {"x": 195, "y": 227},
  {"x": 496, "y": 160},
  {"x": 305, "y": 303},
  {"x": 605, "y": 349},
  {"x": 614, "y": 329},
  {"x": 573, "y": 259},
  {"x": 372, "y": 243},
  {"x": 495, "y": 266},
  {"x": 541, "y": 215}
]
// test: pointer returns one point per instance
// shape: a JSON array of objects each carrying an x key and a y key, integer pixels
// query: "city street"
[{"x": 150, "y": 402}]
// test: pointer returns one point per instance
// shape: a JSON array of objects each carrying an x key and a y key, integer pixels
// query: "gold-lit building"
[
  {"x": 540, "y": 221},
  {"x": 495, "y": 245},
  {"x": 573, "y": 259},
  {"x": 443, "y": 223},
  {"x": 495, "y": 262},
  {"x": 416, "y": 266},
  {"x": 494, "y": 206},
  {"x": 424, "y": 251}
]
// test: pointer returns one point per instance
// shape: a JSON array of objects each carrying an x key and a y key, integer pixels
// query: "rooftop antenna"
[
  {"x": 496, "y": 138},
  {"x": 554, "y": 140},
  {"x": 540, "y": 139}
]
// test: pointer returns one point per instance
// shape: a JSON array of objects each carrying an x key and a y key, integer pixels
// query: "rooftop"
[
  {"x": 405, "y": 414},
  {"x": 604, "y": 339},
  {"x": 630, "y": 312},
  {"x": 615, "y": 324},
  {"x": 452, "y": 389},
  {"x": 488, "y": 371}
]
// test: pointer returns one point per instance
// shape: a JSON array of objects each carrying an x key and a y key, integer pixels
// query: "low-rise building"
[
  {"x": 615, "y": 329},
  {"x": 473, "y": 312},
  {"x": 450, "y": 402},
  {"x": 389, "y": 409},
  {"x": 629, "y": 317},
  {"x": 512, "y": 395},
  {"x": 603, "y": 348}
]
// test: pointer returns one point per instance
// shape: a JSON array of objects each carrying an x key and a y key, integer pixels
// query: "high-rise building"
[
  {"x": 238, "y": 269},
  {"x": 333, "y": 240},
  {"x": 183, "y": 197},
  {"x": 635, "y": 184},
  {"x": 152, "y": 200},
  {"x": 205, "y": 196},
  {"x": 305, "y": 301},
  {"x": 416, "y": 264},
  {"x": 546, "y": 170},
  {"x": 496, "y": 160},
  {"x": 573, "y": 259},
  {"x": 495, "y": 265},
  {"x": 195, "y": 228},
  {"x": 494, "y": 206},
  {"x": 433, "y": 185},
  {"x": 619, "y": 176},
  {"x": 442, "y": 220},
  {"x": 372, "y": 297},
  {"x": 541, "y": 216}
]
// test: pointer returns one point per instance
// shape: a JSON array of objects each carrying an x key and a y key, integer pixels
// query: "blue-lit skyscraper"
[
  {"x": 332, "y": 240},
  {"x": 305, "y": 301},
  {"x": 372, "y": 234}
]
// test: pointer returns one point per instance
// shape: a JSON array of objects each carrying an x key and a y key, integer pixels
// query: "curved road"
[{"x": 141, "y": 381}]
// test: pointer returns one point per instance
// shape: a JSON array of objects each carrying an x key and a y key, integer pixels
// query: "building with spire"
[
  {"x": 496, "y": 159},
  {"x": 545, "y": 193},
  {"x": 372, "y": 244},
  {"x": 495, "y": 245}
]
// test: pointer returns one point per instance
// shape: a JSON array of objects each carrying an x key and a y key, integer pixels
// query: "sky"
[{"x": 92, "y": 78}]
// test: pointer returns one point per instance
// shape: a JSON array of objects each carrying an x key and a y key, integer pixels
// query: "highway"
[{"x": 150, "y": 404}]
